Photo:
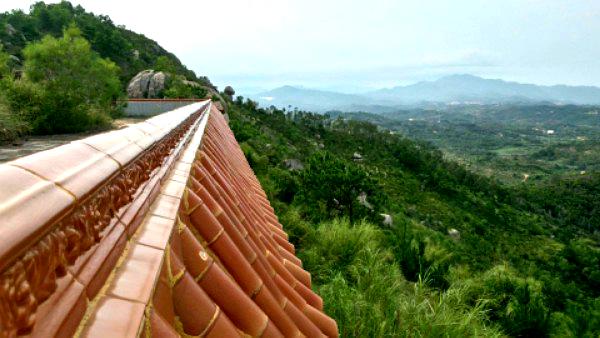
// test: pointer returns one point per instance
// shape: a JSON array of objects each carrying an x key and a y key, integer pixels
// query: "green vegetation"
[
  {"x": 65, "y": 86},
  {"x": 132, "y": 52},
  {"x": 63, "y": 70},
  {"x": 178, "y": 87},
  {"x": 330, "y": 187},
  {"x": 514, "y": 143},
  {"x": 466, "y": 256}
]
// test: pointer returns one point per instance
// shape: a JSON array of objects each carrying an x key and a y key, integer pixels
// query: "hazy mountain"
[
  {"x": 307, "y": 99},
  {"x": 449, "y": 89},
  {"x": 469, "y": 88}
]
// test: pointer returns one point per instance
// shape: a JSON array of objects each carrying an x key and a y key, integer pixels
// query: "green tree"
[
  {"x": 331, "y": 187},
  {"x": 66, "y": 87},
  {"x": 164, "y": 64},
  {"x": 229, "y": 91},
  {"x": 179, "y": 88},
  {"x": 11, "y": 125}
]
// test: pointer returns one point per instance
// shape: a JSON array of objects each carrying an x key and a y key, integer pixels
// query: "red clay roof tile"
[
  {"x": 76, "y": 167},
  {"x": 28, "y": 204},
  {"x": 155, "y": 231},
  {"x": 206, "y": 255},
  {"x": 60, "y": 314},
  {"x": 116, "y": 318},
  {"x": 135, "y": 279}
]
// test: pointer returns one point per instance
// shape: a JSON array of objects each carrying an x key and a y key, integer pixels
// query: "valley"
[{"x": 513, "y": 143}]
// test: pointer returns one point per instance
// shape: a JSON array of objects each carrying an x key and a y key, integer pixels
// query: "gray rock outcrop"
[
  {"x": 362, "y": 200},
  {"x": 146, "y": 84},
  {"x": 454, "y": 234},
  {"x": 293, "y": 164},
  {"x": 157, "y": 84},
  {"x": 387, "y": 220}
]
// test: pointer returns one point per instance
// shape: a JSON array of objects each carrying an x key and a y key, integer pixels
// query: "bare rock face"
[
  {"x": 362, "y": 200},
  {"x": 388, "y": 220},
  {"x": 454, "y": 234},
  {"x": 192, "y": 83},
  {"x": 10, "y": 30},
  {"x": 293, "y": 164},
  {"x": 157, "y": 84},
  {"x": 146, "y": 84}
]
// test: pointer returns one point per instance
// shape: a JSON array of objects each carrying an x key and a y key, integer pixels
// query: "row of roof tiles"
[
  {"x": 58, "y": 245},
  {"x": 210, "y": 258}
]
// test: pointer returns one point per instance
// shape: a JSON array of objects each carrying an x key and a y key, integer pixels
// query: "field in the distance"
[{"x": 510, "y": 142}]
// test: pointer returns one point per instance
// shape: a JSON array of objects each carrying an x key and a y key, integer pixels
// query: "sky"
[{"x": 354, "y": 46}]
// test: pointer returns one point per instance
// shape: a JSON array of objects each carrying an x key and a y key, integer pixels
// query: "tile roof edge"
[
  {"x": 194, "y": 141},
  {"x": 171, "y": 146}
]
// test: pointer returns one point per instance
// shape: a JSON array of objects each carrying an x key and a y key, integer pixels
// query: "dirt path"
[{"x": 33, "y": 144}]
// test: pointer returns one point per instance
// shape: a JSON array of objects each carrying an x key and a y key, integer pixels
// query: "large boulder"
[
  {"x": 146, "y": 84},
  {"x": 157, "y": 84},
  {"x": 10, "y": 30}
]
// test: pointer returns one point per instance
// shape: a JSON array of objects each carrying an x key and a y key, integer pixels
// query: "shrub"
[
  {"x": 177, "y": 88},
  {"x": 66, "y": 87},
  {"x": 298, "y": 230},
  {"x": 336, "y": 245},
  {"x": 364, "y": 291},
  {"x": 514, "y": 302},
  {"x": 11, "y": 126},
  {"x": 418, "y": 259},
  {"x": 330, "y": 187}
]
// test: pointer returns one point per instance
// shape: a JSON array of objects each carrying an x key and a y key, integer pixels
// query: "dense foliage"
[
  {"x": 466, "y": 255},
  {"x": 514, "y": 143},
  {"x": 64, "y": 87},
  {"x": 64, "y": 69},
  {"x": 132, "y": 52}
]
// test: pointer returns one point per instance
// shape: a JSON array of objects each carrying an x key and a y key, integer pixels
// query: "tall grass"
[{"x": 364, "y": 290}]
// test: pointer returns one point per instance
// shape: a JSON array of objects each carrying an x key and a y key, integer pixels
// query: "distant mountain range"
[
  {"x": 306, "y": 99},
  {"x": 453, "y": 89}
]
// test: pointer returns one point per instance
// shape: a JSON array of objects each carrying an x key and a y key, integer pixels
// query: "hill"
[
  {"x": 65, "y": 70},
  {"x": 469, "y": 88},
  {"x": 307, "y": 99},
  {"x": 132, "y": 52},
  {"x": 465, "y": 255},
  {"x": 453, "y": 89}
]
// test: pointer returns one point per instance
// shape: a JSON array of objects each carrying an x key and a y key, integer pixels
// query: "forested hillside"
[
  {"x": 514, "y": 143},
  {"x": 65, "y": 70},
  {"x": 131, "y": 51},
  {"x": 465, "y": 256}
]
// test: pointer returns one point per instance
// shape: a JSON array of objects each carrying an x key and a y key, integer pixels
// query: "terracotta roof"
[{"x": 160, "y": 229}]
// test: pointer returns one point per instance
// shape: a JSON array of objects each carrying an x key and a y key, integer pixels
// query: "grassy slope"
[{"x": 506, "y": 254}]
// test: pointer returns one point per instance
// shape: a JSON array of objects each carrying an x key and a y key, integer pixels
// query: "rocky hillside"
[{"x": 132, "y": 52}]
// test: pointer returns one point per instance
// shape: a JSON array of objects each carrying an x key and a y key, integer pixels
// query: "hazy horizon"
[
  {"x": 366, "y": 91},
  {"x": 353, "y": 46}
]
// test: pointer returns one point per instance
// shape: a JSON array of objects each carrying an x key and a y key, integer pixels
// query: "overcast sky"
[{"x": 351, "y": 45}]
